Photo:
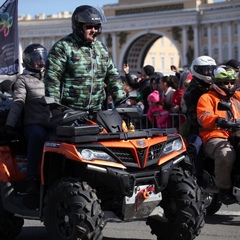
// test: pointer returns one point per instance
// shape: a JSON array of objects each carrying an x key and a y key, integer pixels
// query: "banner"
[{"x": 9, "y": 46}]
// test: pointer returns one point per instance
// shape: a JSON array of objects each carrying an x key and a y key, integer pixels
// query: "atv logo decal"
[
  {"x": 141, "y": 143},
  {"x": 52, "y": 144}
]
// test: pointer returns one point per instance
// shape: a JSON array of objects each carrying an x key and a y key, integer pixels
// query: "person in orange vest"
[{"x": 214, "y": 132}]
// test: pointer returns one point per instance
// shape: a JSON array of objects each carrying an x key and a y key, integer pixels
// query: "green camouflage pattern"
[{"x": 76, "y": 75}]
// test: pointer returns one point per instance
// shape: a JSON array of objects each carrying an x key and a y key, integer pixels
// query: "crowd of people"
[
  {"x": 79, "y": 72},
  {"x": 161, "y": 94}
]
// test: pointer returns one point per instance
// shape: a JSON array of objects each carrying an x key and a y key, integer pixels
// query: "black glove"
[
  {"x": 55, "y": 111},
  {"x": 222, "y": 123},
  {"x": 7, "y": 130}
]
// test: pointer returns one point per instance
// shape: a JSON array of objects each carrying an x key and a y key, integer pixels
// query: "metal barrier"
[{"x": 177, "y": 119}]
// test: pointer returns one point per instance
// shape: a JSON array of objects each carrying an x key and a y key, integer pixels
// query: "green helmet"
[
  {"x": 222, "y": 77},
  {"x": 223, "y": 74}
]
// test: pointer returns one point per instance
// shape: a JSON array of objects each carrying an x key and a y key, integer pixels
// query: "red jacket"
[
  {"x": 207, "y": 113},
  {"x": 177, "y": 96}
]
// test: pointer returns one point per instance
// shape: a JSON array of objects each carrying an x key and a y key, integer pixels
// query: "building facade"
[{"x": 137, "y": 31}]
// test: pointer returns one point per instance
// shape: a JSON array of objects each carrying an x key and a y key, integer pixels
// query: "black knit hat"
[
  {"x": 148, "y": 69},
  {"x": 233, "y": 63}
]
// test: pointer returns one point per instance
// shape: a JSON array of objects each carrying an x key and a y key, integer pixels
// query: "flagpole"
[{"x": 20, "y": 67}]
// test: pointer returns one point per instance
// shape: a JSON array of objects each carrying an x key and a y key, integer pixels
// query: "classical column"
[
  {"x": 238, "y": 40},
  {"x": 220, "y": 59},
  {"x": 230, "y": 43},
  {"x": 209, "y": 30},
  {"x": 103, "y": 38},
  {"x": 184, "y": 42},
  {"x": 114, "y": 50},
  {"x": 196, "y": 42}
]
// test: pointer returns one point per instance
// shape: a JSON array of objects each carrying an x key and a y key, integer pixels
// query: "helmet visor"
[
  {"x": 38, "y": 59},
  {"x": 206, "y": 70}
]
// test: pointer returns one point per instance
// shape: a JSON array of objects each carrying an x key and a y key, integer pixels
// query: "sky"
[{"x": 35, "y": 7}]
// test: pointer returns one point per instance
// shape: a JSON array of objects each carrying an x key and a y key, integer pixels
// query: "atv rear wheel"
[
  {"x": 72, "y": 211},
  {"x": 212, "y": 203},
  {"x": 183, "y": 207},
  {"x": 10, "y": 226}
]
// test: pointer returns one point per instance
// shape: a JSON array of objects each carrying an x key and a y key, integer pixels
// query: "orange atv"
[{"x": 94, "y": 169}]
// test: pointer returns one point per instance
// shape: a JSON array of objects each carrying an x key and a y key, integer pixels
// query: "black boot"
[
  {"x": 32, "y": 186},
  {"x": 226, "y": 197}
]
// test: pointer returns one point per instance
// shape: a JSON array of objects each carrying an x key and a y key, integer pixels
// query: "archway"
[{"x": 148, "y": 48}]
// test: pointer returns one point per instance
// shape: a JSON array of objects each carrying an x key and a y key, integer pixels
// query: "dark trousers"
[
  {"x": 195, "y": 153},
  {"x": 35, "y": 136}
]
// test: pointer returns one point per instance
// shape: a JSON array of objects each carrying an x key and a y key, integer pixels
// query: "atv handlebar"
[{"x": 69, "y": 115}]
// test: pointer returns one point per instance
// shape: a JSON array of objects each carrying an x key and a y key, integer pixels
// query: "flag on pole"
[{"x": 9, "y": 46}]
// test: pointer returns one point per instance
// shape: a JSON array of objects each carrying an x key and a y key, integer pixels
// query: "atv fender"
[{"x": 4, "y": 174}]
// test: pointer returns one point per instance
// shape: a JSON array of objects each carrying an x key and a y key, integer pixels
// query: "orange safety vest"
[{"x": 207, "y": 113}]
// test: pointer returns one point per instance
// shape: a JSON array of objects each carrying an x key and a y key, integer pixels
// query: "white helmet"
[{"x": 202, "y": 68}]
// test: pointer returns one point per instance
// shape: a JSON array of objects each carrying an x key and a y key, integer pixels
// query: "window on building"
[
  {"x": 162, "y": 63},
  {"x": 204, "y": 31},
  {"x": 215, "y": 53},
  {"x": 48, "y": 43},
  {"x": 215, "y": 31},
  {"x": 235, "y": 28},
  {"x": 153, "y": 60},
  {"x": 235, "y": 51},
  {"x": 225, "y": 29},
  {"x": 205, "y": 51},
  {"x": 225, "y": 53},
  {"x": 36, "y": 40}
]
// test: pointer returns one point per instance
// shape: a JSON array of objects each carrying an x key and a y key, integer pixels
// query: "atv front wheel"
[
  {"x": 10, "y": 226},
  {"x": 212, "y": 203},
  {"x": 72, "y": 211},
  {"x": 183, "y": 206}
]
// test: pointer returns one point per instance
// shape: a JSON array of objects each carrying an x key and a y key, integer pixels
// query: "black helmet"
[
  {"x": 222, "y": 77},
  {"x": 34, "y": 57},
  {"x": 86, "y": 14}
]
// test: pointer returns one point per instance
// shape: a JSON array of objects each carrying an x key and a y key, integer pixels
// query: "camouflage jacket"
[{"x": 79, "y": 75}]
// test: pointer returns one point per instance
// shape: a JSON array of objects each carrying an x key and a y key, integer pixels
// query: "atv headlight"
[
  {"x": 175, "y": 145},
  {"x": 90, "y": 154}
]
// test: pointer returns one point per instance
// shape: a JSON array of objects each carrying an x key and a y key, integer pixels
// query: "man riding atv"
[{"x": 215, "y": 133}]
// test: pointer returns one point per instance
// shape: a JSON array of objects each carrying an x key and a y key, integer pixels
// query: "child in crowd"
[
  {"x": 167, "y": 91},
  {"x": 157, "y": 115}
]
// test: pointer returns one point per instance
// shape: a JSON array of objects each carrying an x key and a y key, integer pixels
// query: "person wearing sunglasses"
[
  {"x": 214, "y": 131},
  {"x": 235, "y": 65},
  {"x": 79, "y": 70}
]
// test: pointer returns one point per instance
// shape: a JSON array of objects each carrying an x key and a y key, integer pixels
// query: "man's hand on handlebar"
[{"x": 222, "y": 123}]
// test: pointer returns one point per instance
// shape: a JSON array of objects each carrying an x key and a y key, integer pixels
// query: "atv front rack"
[{"x": 81, "y": 134}]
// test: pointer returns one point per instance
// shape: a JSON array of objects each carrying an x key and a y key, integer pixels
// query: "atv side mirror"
[{"x": 224, "y": 106}]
